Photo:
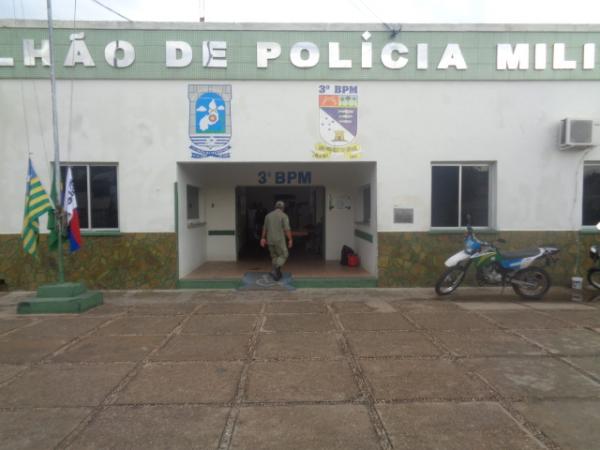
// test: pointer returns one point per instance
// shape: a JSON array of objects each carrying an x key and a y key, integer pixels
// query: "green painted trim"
[
  {"x": 101, "y": 233},
  {"x": 221, "y": 232},
  {"x": 176, "y": 193},
  {"x": 363, "y": 235},
  {"x": 332, "y": 283},
  {"x": 209, "y": 284},
  {"x": 591, "y": 230}
]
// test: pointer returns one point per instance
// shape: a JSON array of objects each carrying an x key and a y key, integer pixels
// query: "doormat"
[{"x": 263, "y": 281}]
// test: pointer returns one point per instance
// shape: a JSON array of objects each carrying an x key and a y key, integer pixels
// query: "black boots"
[{"x": 276, "y": 273}]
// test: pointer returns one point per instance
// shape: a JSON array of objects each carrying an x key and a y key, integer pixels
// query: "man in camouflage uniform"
[{"x": 275, "y": 229}]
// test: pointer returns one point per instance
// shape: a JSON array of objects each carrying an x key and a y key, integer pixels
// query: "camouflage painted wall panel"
[
  {"x": 125, "y": 261},
  {"x": 417, "y": 259}
]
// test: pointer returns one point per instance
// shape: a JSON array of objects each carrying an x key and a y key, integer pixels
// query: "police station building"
[{"x": 182, "y": 136}]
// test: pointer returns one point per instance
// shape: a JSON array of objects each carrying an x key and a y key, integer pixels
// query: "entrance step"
[{"x": 299, "y": 283}]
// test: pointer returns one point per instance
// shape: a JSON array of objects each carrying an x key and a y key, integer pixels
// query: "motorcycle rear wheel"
[
  {"x": 538, "y": 279},
  {"x": 593, "y": 277},
  {"x": 450, "y": 280}
]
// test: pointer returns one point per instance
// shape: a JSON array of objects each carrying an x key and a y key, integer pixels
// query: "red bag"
[{"x": 353, "y": 260}]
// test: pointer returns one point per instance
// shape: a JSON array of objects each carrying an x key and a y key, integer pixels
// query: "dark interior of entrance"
[{"x": 305, "y": 206}]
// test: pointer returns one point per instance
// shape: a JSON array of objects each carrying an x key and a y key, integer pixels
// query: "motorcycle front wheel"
[
  {"x": 593, "y": 277},
  {"x": 532, "y": 283},
  {"x": 450, "y": 280}
]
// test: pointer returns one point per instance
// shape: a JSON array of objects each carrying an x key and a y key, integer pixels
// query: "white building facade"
[{"x": 384, "y": 142}]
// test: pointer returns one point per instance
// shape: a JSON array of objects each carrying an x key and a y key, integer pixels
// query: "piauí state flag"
[
  {"x": 37, "y": 203},
  {"x": 70, "y": 205}
]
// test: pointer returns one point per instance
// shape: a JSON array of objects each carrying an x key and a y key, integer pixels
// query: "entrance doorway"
[{"x": 304, "y": 205}]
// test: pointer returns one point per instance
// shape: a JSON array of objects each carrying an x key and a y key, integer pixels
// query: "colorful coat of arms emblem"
[
  {"x": 338, "y": 118},
  {"x": 210, "y": 120}
]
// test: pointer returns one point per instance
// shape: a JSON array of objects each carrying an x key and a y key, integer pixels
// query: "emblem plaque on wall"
[
  {"x": 210, "y": 120},
  {"x": 338, "y": 122}
]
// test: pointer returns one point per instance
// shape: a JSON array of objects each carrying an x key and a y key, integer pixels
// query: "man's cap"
[{"x": 279, "y": 204}]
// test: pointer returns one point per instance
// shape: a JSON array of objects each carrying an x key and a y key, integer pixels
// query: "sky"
[{"x": 333, "y": 11}]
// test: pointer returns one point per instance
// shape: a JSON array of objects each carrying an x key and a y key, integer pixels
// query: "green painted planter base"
[
  {"x": 60, "y": 298},
  {"x": 331, "y": 283},
  {"x": 61, "y": 290}
]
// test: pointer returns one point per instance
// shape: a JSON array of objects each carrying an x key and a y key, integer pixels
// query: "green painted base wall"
[
  {"x": 417, "y": 259},
  {"x": 124, "y": 261}
]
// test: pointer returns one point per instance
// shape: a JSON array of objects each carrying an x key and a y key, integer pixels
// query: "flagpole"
[{"x": 58, "y": 209}]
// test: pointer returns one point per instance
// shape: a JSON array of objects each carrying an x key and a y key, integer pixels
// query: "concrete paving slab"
[
  {"x": 486, "y": 343},
  {"x": 558, "y": 306},
  {"x": 162, "y": 309},
  {"x": 422, "y": 379},
  {"x": 288, "y": 323},
  {"x": 140, "y": 325},
  {"x": 534, "y": 378},
  {"x": 491, "y": 306},
  {"x": 12, "y": 324},
  {"x": 516, "y": 320},
  {"x": 27, "y": 350},
  {"x": 375, "y": 321},
  {"x": 381, "y": 306},
  {"x": 590, "y": 364},
  {"x": 298, "y": 307},
  {"x": 451, "y": 320},
  {"x": 298, "y": 345},
  {"x": 230, "y": 308},
  {"x": 154, "y": 427},
  {"x": 391, "y": 343},
  {"x": 183, "y": 382},
  {"x": 424, "y": 305},
  {"x": 110, "y": 349},
  {"x": 167, "y": 296},
  {"x": 454, "y": 426},
  {"x": 8, "y": 311},
  {"x": 106, "y": 309},
  {"x": 351, "y": 307},
  {"x": 304, "y": 427},
  {"x": 54, "y": 385},
  {"x": 204, "y": 348},
  {"x": 571, "y": 424},
  {"x": 9, "y": 370},
  {"x": 220, "y": 324},
  {"x": 37, "y": 428},
  {"x": 300, "y": 381},
  {"x": 566, "y": 341},
  {"x": 60, "y": 327},
  {"x": 589, "y": 319}
]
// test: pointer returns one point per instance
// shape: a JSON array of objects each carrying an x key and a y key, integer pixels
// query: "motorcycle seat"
[{"x": 525, "y": 253}]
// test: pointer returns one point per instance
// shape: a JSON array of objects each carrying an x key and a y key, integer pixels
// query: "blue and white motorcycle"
[{"x": 499, "y": 268}]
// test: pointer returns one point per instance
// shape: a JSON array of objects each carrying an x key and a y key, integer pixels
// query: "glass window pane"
[
  {"x": 193, "y": 202},
  {"x": 475, "y": 195},
  {"x": 367, "y": 204},
  {"x": 444, "y": 196},
  {"x": 103, "y": 184},
  {"x": 591, "y": 195},
  {"x": 80, "y": 181}
]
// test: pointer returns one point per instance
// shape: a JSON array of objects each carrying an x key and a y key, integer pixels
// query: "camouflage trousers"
[{"x": 279, "y": 253}]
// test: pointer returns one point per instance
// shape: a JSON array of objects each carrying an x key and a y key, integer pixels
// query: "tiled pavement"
[{"x": 310, "y": 369}]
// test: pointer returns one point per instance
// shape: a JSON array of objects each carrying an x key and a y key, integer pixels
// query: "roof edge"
[{"x": 250, "y": 26}]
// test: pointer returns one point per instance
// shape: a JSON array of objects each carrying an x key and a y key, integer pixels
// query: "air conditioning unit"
[{"x": 578, "y": 133}]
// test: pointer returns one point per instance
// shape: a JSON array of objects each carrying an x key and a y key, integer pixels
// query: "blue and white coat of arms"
[{"x": 210, "y": 120}]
